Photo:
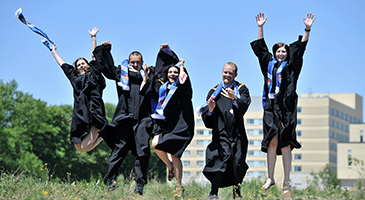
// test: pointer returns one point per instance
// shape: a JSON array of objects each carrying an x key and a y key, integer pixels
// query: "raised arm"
[
  {"x": 56, "y": 56},
  {"x": 308, "y": 22},
  {"x": 93, "y": 33},
  {"x": 260, "y": 19}
]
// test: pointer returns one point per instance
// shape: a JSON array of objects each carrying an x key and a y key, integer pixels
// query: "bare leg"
[
  {"x": 287, "y": 159},
  {"x": 90, "y": 141},
  {"x": 178, "y": 168},
  {"x": 271, "y": 161},
  {"x": 161, "y": 154}
]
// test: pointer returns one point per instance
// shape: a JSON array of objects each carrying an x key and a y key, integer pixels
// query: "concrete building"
[
  {"x": 323, "y": 122},
  {"x": 351, "y": 157}
]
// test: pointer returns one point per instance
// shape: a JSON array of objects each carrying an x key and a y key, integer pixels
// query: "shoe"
[
  {"x": 179, "y": 192},
  {"x": 237, "y": 192},
  {"x": 268, "y": 184},
  {"x": 171, "y": 174},
  {"x": 112, "y": 185},
  {"x": 213, "y": 196},
  {"x": 138, "y": 189},
  {"x": 286, "y": 188}
]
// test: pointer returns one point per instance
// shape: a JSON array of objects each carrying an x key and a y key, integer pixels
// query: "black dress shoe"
[
  {"x": 237, "y": 192},
  {"x": 213, "y": 195},
  {"x": 138, "y": 189},
  {"x": 112, "y": 184}
]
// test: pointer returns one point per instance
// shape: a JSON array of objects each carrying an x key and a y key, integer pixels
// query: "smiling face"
[
  {"x": 82, "y": 66},
  {"x": 172, "y": 74},
  {"x": 281, "y": 54},
  {"x": 135, "y": 61},
  {"x": 229, "y": 74}
]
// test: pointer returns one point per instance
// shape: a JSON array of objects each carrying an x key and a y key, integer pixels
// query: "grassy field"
[{"x": 25, "y": 187}]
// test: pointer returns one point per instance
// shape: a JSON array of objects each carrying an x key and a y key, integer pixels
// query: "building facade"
[{"x": 323, "y": 122}]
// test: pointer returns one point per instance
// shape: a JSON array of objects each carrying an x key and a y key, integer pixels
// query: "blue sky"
[{"x": 206, "y": 34}]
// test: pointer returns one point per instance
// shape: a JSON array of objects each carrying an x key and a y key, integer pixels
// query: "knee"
[
  {"x": 154, "y": 142},
  {"x": 78, "y": 147},
  {"x": 175, "y": 158},
  {"x": 286, "y": 149}
]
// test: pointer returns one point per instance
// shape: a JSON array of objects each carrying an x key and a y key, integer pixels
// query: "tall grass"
[{"x": 22, "y": 186}]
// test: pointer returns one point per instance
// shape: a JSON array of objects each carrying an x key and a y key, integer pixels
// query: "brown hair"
[
  {"x": 76, "y": 72},
  {"x": 277, "y": 46}
]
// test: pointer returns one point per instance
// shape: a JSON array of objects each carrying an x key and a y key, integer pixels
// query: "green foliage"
[
  {"x": 35, "y": 139},
  {"x": 327, "y": 177},
  {"x": 22, "y": 186}
]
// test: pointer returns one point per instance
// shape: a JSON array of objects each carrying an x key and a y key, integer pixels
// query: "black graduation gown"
[
  {"x": 283, "y": 108},
  {"x": 88, "y": 103},
  {"x": 177, "y": 130},
  {"x": 228, "y": 149}
]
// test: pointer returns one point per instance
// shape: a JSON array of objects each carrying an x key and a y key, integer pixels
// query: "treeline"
[{"x": 34, "y": 139}]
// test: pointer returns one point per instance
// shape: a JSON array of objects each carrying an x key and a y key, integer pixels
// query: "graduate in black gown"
[
  {"x": 175, "y": 121},
  {"x": 281, "y": 73},
  {"x": 132, "y": 124},
  {"x": 226, "y": 154},
  {"x": 88, "y": 115}
]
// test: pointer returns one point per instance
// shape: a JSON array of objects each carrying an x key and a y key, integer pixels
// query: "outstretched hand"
[
  {"x": 53, "y": 48},
  {"x": 94, "y": 31},
  {"x": 308, "y": 21},
  {"x": 260, "y": 19}
]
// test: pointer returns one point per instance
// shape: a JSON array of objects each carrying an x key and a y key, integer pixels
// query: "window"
[
  {"x": 344, "y": 116},
  {"x": 361, "y": 136},
  {"x": 349, "y": 159},
  {"x": 186, "y": 163},
  {"x": 186, "y": 173},
  {"x": 298, "y": 168},
  {"x": 299, "y": 121},
  {"x": 186, "y": 153},
  {"x": 202, "y": 142},
  {"x": 200, "y": 153},
  {"x": 340, "y": 114},
  {"x": 254, "y": 142},
  {"x": 256, "y": 163},
  {"x": 200, "y": 163},
  {"x": 335, "y": 136},
  {"x": 340, "y": 137},
  {"x": 199, "y": 174},
  {"x": 254, "y": 121},
  {"x": 331, "y": 122},
  {"x": 336, "y": 113},
  {"x": 254, "y": 131},
  {"x": 299, "y": 109},
  {"x": 255, "y": 153},
  {"x": 256, "y": 174},
  {"x": 199, "y": 122},
  {"x": 204, "y": 132},
  {"x": 331, "y": 111},
  {"x": 299, "y": 133},
  {"x": 331, "y": 134},
  {"x": 298, "y": 156}
]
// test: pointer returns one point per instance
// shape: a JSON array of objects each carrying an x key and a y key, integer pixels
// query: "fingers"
[
  {"x": 105, "y": 43},
  {"x": 182, "y": 61},
  {"x": 164, "y": 46}
]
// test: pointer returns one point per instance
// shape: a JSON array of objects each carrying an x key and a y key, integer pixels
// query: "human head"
[
  {"x": 281, "y": 51},
  {"x": 171, "y": 73},
  {"x": 135, "y": 60},
  {"x": 229, "y": 73},
  {"x": 81, "y": 66}
]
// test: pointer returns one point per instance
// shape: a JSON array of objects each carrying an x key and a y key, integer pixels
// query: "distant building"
[
  {"x": 323, "y": 122},
  {"x": 351, "y": 157}
]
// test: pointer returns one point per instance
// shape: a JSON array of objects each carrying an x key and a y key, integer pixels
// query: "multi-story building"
[
  {"x": 351, "y": 157},
  {"x": 323, "y": 121}
]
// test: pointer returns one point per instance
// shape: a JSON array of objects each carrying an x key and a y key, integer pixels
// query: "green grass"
[{"x": 22, "y": 186}]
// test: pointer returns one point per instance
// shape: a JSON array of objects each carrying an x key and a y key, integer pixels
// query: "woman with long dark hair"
[
  {"x": 174, "y": 119},
  {"x": 281, "y": 72},
  {"x": 88, "y": 115}
]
